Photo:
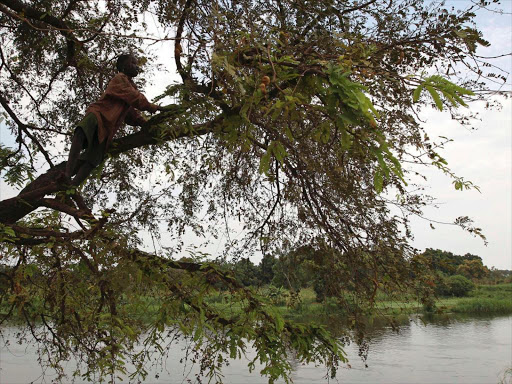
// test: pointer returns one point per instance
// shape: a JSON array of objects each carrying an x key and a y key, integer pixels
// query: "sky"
[{"x": 483, "y": 156}]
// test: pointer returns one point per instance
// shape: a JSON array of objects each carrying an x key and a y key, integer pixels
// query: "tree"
[
  {"x": 294, "y": 269},
  {"x": 468, "y": 265},
  {"x": 455, "y": 285},
  {"x": 473, "y": 269},
  {"x": 266, "y": 267},
  {"x": 294, "y": 117},
  {"x": 443, "y": 261},
  {"x": 247, "y": 273}
]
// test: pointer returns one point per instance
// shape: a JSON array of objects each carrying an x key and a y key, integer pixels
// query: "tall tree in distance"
[{"x": 296, "y": 118}]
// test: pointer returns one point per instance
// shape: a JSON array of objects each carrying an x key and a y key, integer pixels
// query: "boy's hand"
[
  {"x": 157, "y": 108},
  {"x": 174, "y": 108},
  {"x": 164, "y": 108}
]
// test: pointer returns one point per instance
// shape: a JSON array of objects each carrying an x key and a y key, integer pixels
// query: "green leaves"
[
  {"x": 16, "y": 171},
  {"x": 452, "y": 92},
  {"x": 350, "y": 94},
  {"x": 276, "y": 150},
  {"x": 460, "y": 184},
  {"x": 471, "y": 37},
  {"x": 378, "y": 181},
  {"x": 351, "y": 109},
  {"x": 387, "y": 164},
  {"x": 7, "y": 234}
]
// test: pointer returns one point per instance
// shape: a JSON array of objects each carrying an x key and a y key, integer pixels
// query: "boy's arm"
[
  {"x": 134, "y": 118},
  {"x": 120, "y": 87}
]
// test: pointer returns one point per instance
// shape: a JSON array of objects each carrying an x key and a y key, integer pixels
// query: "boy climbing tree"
[{"x": 118, "y": 104}]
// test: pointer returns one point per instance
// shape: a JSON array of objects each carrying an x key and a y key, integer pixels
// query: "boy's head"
[{"x": 127, "y": 64}]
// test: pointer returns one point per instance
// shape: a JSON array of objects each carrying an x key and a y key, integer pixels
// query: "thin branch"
[
  {"x": 23, "y": 127},
  {"x": 271, "y": 213},
  {"x": 357, "y": 8},
  {"x": 493, "y": 57},
  {"x": 64, "y": 208},
  {"x": 177, "y": 44}
]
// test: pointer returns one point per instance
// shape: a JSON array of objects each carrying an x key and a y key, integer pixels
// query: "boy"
[{"x": 103, "y": 119}]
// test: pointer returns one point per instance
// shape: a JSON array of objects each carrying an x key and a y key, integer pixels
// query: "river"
[{"x": 440, "y": 349}]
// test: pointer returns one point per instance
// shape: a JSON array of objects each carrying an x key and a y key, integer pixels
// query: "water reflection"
[
  {"x": 438, "y": 349},
  {"x": 433, "y": 349}
]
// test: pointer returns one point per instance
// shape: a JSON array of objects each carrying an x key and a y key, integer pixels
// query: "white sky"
[{"x": 483, "y": 156}]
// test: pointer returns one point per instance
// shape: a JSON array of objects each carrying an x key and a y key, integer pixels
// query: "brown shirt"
[{"x": 117, "y": 105}]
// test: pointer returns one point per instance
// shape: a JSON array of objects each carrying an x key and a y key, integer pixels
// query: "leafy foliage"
[
  {"x": 449, "y": 264},
  {"x": 456, "y": 285},
  {"x": 435, "y": 84}
]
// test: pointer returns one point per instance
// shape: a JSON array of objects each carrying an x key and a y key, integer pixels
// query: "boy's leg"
[
  {"x": 82, "y": 174},
  {"x": 92, "y": 158},
  {"x": 86, "y": 137},
  {"x": 77, "y": 145}
]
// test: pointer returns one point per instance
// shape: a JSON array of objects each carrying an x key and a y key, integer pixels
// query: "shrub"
[
  {"x": 456, "y": 285},
  {"x": 277, "y": 295},
  {"x": 319, "y": 288}
]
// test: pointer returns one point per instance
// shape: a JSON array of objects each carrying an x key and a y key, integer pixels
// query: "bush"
[
  {"x": 277, "y": 295},
  {"x": 319, "y": 288},
  {"x": 456, "y": 285}
]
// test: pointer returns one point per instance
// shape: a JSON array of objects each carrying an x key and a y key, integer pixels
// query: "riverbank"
[{"x": 484, "y": 299}]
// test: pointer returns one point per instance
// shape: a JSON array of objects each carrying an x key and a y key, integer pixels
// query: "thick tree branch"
[
  {"x": 40, "y": 232},
  {"x": 32, "y": 13},
  {"x": 30, "y": 198},
  {"x": 62, "y": 207}
]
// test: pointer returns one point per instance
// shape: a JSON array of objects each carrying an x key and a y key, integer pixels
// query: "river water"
[{"x": 435, "y": 350}]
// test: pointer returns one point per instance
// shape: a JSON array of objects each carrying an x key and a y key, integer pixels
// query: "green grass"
[
  {"x": 485, "y": 299},
  {"x": 483, "y": 306},
  {"x": 502, "y": 291}
]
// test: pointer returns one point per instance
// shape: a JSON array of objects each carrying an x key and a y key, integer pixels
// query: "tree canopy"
[{"x": 296, "y": 120}]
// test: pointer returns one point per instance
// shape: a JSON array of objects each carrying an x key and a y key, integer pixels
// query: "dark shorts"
[{"x": 94, "y": 150}]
